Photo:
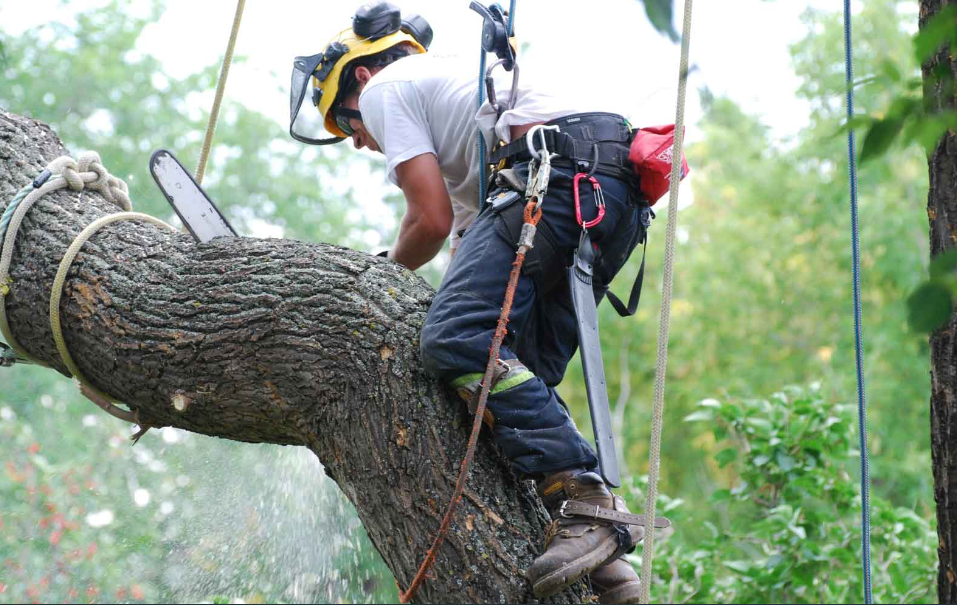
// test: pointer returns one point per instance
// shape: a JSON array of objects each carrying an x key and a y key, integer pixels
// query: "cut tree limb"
[{"x": 283, "y": 342}]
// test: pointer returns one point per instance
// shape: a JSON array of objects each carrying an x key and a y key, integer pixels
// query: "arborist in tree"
[{"x": 375, "y": 83}]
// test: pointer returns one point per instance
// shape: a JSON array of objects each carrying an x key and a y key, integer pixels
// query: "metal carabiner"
[
  {"x": 599, "y": 201},
  {"x": 530, "y": 141},
  {"x": 490, "y": 87}
]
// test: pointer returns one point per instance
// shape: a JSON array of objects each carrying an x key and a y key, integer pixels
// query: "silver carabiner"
[
  {"x": 530, "y": 140},
  {"x": 490, "y": 87}
]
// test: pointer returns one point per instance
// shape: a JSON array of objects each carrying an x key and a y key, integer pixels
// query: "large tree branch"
[{"x": 281, "y": 342}]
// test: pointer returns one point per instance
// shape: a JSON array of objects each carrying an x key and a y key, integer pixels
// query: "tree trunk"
[
  {"x": 942, "y": 214},
  {"x": 281, "y": 342}
]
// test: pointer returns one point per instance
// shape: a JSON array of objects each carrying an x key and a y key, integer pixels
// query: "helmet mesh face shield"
[{"x": 306, "y": 126}]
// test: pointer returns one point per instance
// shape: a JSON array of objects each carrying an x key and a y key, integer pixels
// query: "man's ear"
[{"x": 363, "y": 75}]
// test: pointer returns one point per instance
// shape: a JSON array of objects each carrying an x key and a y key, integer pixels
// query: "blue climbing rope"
[
  {"x": 8, "y": 213},
  {"x": 483, "y": 167},
  {"x": 858, "y": 329},
  {"x": 8, "y": 356}
]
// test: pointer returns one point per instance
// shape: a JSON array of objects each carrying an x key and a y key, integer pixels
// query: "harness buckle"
[
  {"x": 599, "y": 200},
  {"x": 540, "y": 129},
  {"x": 561, "y": 510}
]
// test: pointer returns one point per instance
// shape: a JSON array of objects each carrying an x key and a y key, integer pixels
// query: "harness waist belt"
[
  {"x": 574, "y": 508},
  {"x": 582, "y": 136}
]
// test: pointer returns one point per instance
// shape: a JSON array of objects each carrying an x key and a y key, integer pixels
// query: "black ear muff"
[
  {"x": 417, "y": 27},
  {"x": 374, "y": 21},
  {"x": 333, "y": 53}
]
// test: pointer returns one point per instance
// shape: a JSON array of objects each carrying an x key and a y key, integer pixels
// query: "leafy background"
[{"x": 759, "y": 459}]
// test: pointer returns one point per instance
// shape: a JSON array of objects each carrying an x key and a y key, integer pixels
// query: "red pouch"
[{"x": 650, "y": 154}]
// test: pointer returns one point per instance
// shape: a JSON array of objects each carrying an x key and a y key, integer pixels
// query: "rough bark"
[
  {"x": 281, "y": 342},
  {"x": 942, "y": 215}
]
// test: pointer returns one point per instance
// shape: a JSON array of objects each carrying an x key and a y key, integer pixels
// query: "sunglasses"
[{"x": 343, "y": 116}]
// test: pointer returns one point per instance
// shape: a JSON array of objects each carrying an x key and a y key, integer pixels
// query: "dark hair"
[{"x": 348, "y": 81}]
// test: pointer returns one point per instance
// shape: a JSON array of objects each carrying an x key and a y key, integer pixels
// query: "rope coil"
[{"x": 86, "y": 174}]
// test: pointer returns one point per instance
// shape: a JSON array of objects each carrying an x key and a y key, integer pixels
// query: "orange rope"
[{"x": 533, "y": 213}]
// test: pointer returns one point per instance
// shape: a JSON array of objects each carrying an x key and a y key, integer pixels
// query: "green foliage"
[
  {"x": 787, "y": 527},
  {"x": 939, "y": 31},
  {"x": 660, "y": 14},
  {"x": 109, "y": 97}
]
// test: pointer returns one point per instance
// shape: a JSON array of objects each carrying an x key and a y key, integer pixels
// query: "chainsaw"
[{"x": 202, "y": 218}]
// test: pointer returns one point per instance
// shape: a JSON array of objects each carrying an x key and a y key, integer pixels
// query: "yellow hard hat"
[{"x": 339, "y": 53}]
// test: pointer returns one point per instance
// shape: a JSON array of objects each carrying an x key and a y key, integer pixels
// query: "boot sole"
[
  {"x": 625, "y": 594},
  {"x": 565, "y": 576}
]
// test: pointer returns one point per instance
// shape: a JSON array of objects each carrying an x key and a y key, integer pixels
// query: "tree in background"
[
  {"x": 762, "y": 300},
  {"x": 940, "y": 97},
  {"x": 85, "y": 516}
]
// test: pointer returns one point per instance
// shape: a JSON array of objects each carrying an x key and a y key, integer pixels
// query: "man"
[{"x": 387, "y": 95}]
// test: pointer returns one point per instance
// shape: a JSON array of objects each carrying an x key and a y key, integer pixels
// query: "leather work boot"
[
  {"x": 616, "y": 582},
  {"x": 584, "y": 537}
]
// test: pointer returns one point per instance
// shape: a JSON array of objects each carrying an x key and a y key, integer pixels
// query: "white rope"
[
  {"x": 87, "y": 173},
  {"x": 647, "y": 552}
]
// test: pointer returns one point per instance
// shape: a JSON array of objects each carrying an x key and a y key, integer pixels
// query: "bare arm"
[{"x": 428, "y": 217}]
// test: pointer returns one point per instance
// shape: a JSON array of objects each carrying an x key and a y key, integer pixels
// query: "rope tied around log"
[{"x": 86, "y": 174}]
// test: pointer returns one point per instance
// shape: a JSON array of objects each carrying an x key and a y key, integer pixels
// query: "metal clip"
[
  {"x": 490, "y": 87},
  {"x": 540, "y": 129},
  {"x": 599, "y": 201}
]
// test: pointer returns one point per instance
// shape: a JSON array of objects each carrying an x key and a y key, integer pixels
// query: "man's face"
[{"x": 360, "y": 136}]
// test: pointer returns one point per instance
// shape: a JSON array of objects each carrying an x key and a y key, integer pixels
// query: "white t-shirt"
[{"x": 426, "y": 104}]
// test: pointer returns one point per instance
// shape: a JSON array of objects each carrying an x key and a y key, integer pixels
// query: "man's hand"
[{"x": 428, "y": 218}]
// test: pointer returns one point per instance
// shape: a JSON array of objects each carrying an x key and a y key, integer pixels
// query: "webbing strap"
[
  {"x": 574, "y": 508},
  {"x": 635, "y": 297}
]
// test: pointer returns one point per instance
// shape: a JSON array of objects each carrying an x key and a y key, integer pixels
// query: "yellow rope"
[
  {"x": 220, "y": 88},
  {"x": 60, "y": 278}
]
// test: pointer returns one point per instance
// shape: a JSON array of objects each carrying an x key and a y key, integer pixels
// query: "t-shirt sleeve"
[{"x": 395, "y": 116}]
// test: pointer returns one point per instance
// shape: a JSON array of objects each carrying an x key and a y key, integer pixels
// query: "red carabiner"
[{"x": 599, "y": 201}]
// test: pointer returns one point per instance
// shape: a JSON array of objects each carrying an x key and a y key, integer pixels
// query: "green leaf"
[
  {"x": 943, "y": 265},
  {"x": 661, "y": 16},
  {"x": 726, "y": 456},
  {"x": 890, "y": 70},
  {"x": 879, "y": 138},
  {"x": 929, "y": 307},
  {"x": 699, "y": 416},
  {"x": 721, "y": 495},
  {"x": 928, "y": 130},
  {"x": 785, "y": 462},
  {"x": 761, "y": 460},
  {"x": 739, "y": 566},
  {"x": 937, "y": 31}
]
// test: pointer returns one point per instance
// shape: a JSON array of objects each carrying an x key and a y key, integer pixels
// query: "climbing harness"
[
  {"x": 220, "y": 89},
  {"x": 534, "y": 196},
  {"x": 661, "y": 366},
  {"x": 90, "y": 174},
  {"x": 858, "y": 322}
]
